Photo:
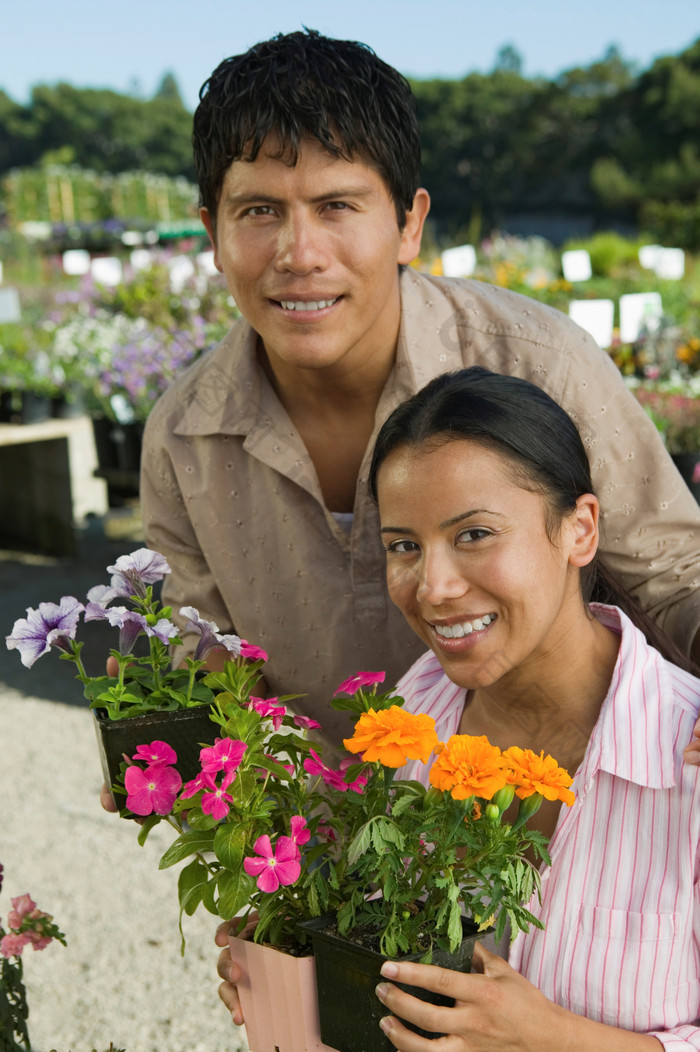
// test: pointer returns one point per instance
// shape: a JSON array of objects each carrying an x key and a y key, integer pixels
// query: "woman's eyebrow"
[{"x": 448, "y": 522}]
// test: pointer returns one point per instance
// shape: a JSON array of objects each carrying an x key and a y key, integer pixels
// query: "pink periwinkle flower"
[
  {"x": 359, "y": 783},
  {"x": 12, "y": 944},
  {"x": 314, "y": 765},
  {"x": 249, "y": 650},
  {"x": 131, "y": 573},
  {"x": 274, "y": 869},
  {"x": 51, "y": 625},
  {"x": 225, "y": 755},
  {"x": 210, "y": 637},
  {"x": 361, "y": 679},
  {"x": 190, "y": 788},
  {"x": 156, "y": 752},
  {"x": 216, "y": 802},
  {"x": 300, "y": 832},
  {"x": 153, "y": 790},
  {"x": 266, "y": 707},
  {"x": 306, "y": 723}
]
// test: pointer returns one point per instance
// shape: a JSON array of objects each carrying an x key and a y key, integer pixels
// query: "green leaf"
[
  {"x": 229, "y": 846},
  {"x": 191, "y": 884},
  {"x": 360, "y": 844},
  {"x": 235, "y": 890},
  {"x": 187, "y": 845},
  {"x": 146, "y": 828}
]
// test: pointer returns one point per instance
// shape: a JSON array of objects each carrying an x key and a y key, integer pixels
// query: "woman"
[{"x": 491, "y": 528}]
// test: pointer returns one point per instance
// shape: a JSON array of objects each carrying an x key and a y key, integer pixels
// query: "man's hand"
[
  {"x": 229, "y": 972},
  {"x": 106, "y": 800},
  {"x": 691, "y": 753}
]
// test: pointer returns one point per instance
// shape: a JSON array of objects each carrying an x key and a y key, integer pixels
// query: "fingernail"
[
  {"x": 390, "y": 970},
  {"x": 385, "y": 1024},
  {"x": 380, "y": 990}
]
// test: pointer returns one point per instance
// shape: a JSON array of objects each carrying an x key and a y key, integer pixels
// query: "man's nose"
[{"x": 301, "y": 246}]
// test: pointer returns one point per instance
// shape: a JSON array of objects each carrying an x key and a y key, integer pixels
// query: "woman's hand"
[{"x": 496, "y": 1009}]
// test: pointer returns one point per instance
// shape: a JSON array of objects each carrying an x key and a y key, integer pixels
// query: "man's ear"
[
  {"x": 584, "y": 525},
  {"x": 210, "y": 227},
  {"x": 413, "y": 230}
]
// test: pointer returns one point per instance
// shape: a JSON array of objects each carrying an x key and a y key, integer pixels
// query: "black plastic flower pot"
[
  {"x": 687, "y": 464},
  {"x": 347, "y": 974},
  {"x": 185, "y": 730}
]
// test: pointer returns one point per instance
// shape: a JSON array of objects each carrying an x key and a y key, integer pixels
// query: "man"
[
  {"x": 255, "y": 462},
  {"x": 254, "y": 466}
]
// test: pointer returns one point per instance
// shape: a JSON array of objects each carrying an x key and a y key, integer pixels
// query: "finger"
[
  {"x": 112, "y": 666},
  {"x": 229, "y": 995},
  {"x": 403, "y": 1038},
  {"x": 433, "y": 1018},
  {"x": 691, "y": 753},
  {"x": 430, "y": 977},
  {"x": 227, "y": 968},
  {"x": 225, "y": 929},
  {"x": 106, "y": 800}
]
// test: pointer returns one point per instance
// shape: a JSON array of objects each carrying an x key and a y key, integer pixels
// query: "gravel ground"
[{"x": 121, "y": 978}]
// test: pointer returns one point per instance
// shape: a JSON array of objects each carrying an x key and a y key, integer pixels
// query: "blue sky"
[{"x": 128, "y": 46}]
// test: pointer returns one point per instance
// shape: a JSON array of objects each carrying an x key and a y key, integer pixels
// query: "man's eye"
[{"x": 259, "y": 210}]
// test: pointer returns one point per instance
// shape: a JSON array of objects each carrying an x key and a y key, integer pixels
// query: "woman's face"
[{"x": 470, "y": 565}]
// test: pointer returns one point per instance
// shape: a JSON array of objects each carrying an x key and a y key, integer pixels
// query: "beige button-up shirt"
[{"x": 230, "y": 496}]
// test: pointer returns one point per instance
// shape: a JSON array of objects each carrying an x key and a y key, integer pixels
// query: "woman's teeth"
[{"x": 464, "y": 628}]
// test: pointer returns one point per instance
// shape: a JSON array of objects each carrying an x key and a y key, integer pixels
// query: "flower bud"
[
  {"x": 493, "y": 814},
  {"x": 528, "y": 807},
  {"x": 504, "y": 797},
  {"x": 432, "y": 798}
]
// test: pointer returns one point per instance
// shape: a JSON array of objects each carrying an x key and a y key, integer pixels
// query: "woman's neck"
[{"x": 554, "y": 703}]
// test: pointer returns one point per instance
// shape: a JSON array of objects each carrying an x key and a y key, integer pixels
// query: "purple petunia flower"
[
  {"x": 49, "y": 626},
  {"x": 131, "y": 573},
  {"x": 210, "y": 637}
]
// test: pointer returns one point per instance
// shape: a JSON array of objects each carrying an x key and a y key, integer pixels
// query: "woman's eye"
[
  {"x": 474, "y": 533},
  {"x": 400, "y": 547}
]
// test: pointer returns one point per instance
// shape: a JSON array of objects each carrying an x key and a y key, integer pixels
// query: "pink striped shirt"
[{"x": 620, "y": 902}]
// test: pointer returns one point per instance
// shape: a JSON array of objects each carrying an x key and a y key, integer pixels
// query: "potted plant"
[
  {"x": 276, "y": 836},
  {"x": 674, "y": 406},
  {"x": 146, "y": 699},
  {"x": 25, "y": 926}
]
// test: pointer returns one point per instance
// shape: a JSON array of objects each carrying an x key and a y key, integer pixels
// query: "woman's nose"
[{"x": 440, "y": 579}]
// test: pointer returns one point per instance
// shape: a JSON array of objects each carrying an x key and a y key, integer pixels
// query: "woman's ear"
[{"x": 583, "y": 523}]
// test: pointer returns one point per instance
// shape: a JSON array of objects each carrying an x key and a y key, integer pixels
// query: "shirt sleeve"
[
  {"x": 680, "y": 1039},
  {"x": 650, "y": 534},
  {"x": 168, "y": 529}
]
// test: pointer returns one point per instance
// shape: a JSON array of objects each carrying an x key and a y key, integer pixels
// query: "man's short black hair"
[{"x": 300, "y": 86}]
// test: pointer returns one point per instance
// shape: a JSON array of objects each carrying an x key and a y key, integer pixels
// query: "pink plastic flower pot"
[{"x": 278, "y": 999}]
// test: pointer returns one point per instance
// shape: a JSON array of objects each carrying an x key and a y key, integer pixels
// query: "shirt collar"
[
  {"x": 632, "y": 738},
  {"x": 226, "y": 388}
]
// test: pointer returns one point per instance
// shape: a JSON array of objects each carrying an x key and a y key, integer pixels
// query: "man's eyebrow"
[{"x": 250, "y": 198}]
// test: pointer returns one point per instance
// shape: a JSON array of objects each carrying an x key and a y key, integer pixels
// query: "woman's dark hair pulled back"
[{"x": 542, "y": 446}]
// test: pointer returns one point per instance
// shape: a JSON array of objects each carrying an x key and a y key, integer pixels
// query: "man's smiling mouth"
[{"x": 307, "y": 305}]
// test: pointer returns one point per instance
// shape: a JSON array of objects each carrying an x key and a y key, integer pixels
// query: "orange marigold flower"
[
  {"x": 538, "y": 774},
  {"x": 393, "y": 736},
  {"x": 469, "y": 766}
]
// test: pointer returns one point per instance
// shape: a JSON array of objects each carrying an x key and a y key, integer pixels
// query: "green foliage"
[{"x": 610, "y": 253}]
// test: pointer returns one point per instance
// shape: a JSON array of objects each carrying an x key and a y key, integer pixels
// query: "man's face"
[{"x": 310, "y": 254}]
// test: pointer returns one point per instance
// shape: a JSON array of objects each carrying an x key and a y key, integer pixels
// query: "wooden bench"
[{"x": 47, "y": 484}]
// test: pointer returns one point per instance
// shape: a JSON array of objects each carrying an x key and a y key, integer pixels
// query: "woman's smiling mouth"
[{"x": 463, "y": 628}]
